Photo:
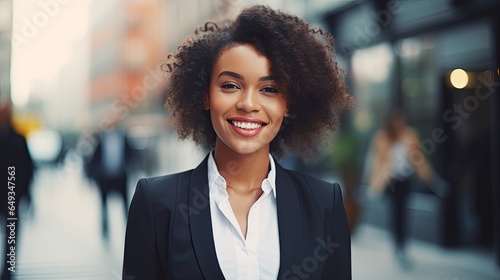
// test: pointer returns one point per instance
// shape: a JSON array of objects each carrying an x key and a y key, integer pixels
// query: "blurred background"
[{"x": 81, "y": 81}]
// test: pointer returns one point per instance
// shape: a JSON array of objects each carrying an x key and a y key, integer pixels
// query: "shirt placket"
[{"x": 245, "y": 250}]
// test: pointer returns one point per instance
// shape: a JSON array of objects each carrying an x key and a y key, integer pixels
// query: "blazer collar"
[
  {"x": 201, "y": 224},
  {"x": 289, "y": 224}
]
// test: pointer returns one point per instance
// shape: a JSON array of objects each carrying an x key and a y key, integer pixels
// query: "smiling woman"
[{"x": 247, "y": 91}]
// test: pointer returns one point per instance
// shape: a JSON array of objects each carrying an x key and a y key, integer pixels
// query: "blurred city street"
[
  {"x": 61, "y": 235},
  {"x": 83, "y": 89}
]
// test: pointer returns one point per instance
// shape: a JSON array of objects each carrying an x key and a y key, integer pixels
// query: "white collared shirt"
[{"x": 257, "y": 257}]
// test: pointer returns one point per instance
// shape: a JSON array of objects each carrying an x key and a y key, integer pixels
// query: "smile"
[{"x": 246, "y": 125}]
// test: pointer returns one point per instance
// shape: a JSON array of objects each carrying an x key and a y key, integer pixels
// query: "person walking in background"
[
  {"x": 396, "y": 155},
  {"x": 108, "y": 167},
  {"x": 14, "y": 156}
]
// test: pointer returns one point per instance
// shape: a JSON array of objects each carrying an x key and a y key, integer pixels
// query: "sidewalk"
[
  {"x": 62, "y": 240},
  {"x": 373, "y": 258}
]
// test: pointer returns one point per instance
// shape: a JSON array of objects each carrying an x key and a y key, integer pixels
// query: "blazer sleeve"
[
  {"x": 338, "y": 266},
  {"x": 140, "y": 257}
]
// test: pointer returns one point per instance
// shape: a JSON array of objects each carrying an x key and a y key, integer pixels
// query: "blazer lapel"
[
  {"x": 200, "y": 223},
  {"x": 289, "y": 222}
]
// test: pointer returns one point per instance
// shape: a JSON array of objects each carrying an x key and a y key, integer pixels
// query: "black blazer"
[{"x": 169, "y": 229}]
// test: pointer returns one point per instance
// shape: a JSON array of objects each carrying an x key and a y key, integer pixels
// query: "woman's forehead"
[{"x": 242, "y": 59}]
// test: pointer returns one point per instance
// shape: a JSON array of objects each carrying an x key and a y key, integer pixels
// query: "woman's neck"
[{"x": 243, "y": 173}]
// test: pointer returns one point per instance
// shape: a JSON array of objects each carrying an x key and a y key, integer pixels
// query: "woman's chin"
[{"x": 248, "y": 148}]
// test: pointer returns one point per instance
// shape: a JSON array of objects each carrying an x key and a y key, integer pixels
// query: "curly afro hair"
[{"x": 303, "y": 65}]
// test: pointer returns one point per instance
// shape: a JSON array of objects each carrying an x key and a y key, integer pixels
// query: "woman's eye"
[
  {"x": 230, "y": 86},
  {"x": 270, "y": 89}
]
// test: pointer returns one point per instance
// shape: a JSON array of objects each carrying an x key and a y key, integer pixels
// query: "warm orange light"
[
  {"x": 488, "y": 78},
  {"x": 459, "y": 78}
]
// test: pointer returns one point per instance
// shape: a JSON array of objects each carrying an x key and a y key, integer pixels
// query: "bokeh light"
[{"x": 459, "y": 78}]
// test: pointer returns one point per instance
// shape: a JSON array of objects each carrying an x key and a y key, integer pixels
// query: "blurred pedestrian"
[
  {"x": 15, "y": 163},
  {"x": 396, "y": 155},
  {"x": 108, "y": 166}
]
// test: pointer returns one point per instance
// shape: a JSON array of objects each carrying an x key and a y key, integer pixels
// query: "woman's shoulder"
[
  {"x": 166, "y": 185},
  {"x": 322, "y": 190},
  {"x": 310, "y": 180}
]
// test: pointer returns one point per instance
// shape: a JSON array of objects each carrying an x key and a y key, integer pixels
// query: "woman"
[
  {"x": 243, "y": 89},
  {"x": 396, "y": 156}
]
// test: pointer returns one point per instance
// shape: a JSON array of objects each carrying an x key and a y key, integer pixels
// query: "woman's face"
[{"x": 245, "y": 105}]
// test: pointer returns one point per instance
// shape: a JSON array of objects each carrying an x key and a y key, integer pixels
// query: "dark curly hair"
[{"x": 303, "y": 65}]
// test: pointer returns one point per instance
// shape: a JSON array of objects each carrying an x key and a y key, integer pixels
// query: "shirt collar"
[{"x": 217, "y": 183}]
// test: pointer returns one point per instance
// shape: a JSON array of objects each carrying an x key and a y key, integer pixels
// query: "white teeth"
[{"x": 247, "y": 125}]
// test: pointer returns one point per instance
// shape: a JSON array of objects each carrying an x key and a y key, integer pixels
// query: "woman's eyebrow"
[
  {"x": 266, "y": 78},
  {"x": 232, "y": 74},
  {"x": 238, "y": 76}
]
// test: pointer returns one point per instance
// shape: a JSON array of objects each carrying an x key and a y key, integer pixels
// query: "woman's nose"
[{"x": 249, "y": 101}]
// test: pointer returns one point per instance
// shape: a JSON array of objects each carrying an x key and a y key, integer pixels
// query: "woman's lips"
[{"x": 246, "y": 127}]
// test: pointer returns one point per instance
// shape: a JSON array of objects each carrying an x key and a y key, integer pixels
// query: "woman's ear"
[{"x": 206, "y": 101}]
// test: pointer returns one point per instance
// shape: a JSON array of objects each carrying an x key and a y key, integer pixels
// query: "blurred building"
[{"x": 49, "y": 69}]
